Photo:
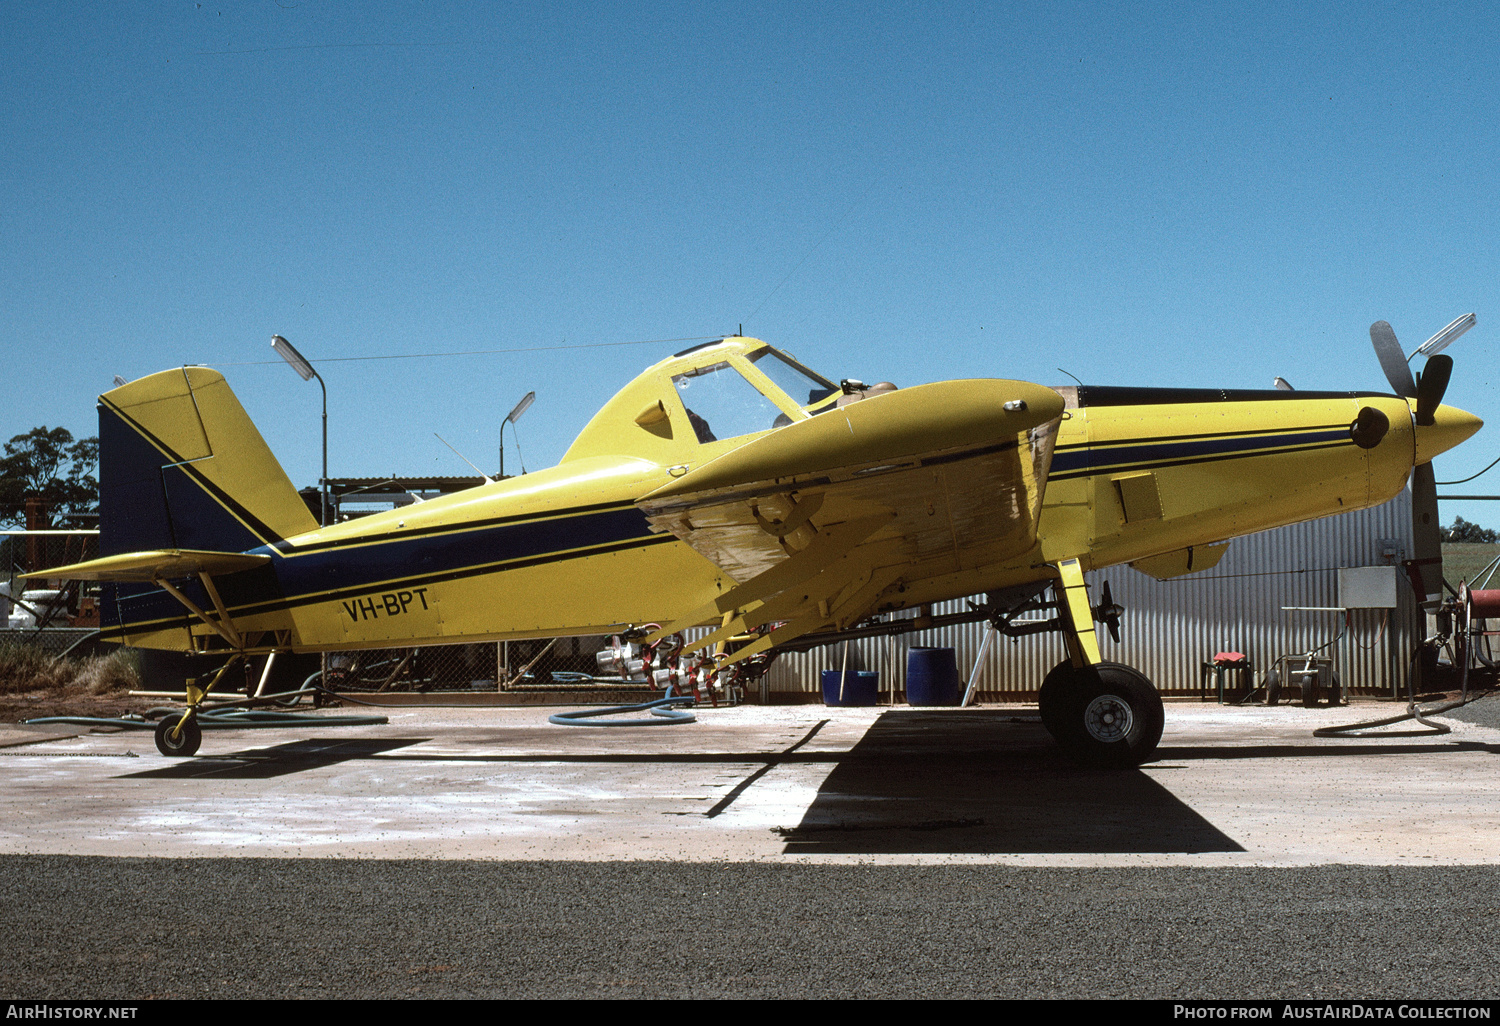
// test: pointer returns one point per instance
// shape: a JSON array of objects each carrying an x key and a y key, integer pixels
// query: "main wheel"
[
  {"x": 175, "y": 742},
  {"x": 1120, "y": 718},
  {"x": 1059, "y": 701},
  {"x": 1272, "y": 683}
]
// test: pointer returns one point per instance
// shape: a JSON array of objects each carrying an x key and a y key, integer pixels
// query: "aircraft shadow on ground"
[
  {"x": 278, "y": 760},
  {"x": 981, "y": 783}
]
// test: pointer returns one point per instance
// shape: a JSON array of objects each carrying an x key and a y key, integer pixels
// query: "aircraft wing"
[{"x": 817, "y": 520}]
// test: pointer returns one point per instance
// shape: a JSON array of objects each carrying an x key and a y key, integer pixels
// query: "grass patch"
[{"x": 25, "y": 669}]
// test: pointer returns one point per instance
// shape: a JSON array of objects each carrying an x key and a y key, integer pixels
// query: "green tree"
[
  {"x": 1463, "y": 531},
  {"x": 47, "y": 464}
]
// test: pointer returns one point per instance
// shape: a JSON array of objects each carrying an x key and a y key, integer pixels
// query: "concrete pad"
[
  {"x": 12, "y": 734},
  {"x": 1229, "y": 787}
]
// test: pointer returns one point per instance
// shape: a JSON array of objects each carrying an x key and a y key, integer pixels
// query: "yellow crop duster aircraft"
[{"x": 731, "y": 486}]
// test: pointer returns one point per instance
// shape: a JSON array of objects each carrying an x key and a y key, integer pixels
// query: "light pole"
[
  {"x": 305, "y": 371},
  {"x": 511, "y": 418}
]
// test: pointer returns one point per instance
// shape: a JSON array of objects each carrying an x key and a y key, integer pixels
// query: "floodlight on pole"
[
  {"x": 511, "y": 418},
  {"x": 304, "y": 369},
  {"x": 1443, "y": 339},
  {"x": 521, "y": 407}
]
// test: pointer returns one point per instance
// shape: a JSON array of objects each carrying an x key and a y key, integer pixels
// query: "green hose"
[{"x": 661, "y": 708}]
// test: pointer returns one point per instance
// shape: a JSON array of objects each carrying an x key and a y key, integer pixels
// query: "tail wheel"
[
  {"x": 178, "y": 741},
  {"x": 1104, "y": 715}
]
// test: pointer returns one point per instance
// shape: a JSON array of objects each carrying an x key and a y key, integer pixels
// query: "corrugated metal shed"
[{"x": 1171, "y": 627}]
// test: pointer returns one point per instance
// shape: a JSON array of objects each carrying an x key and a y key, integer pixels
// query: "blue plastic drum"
[
  {"x": 861, "y": 687},
  {"x": 932, "y": 677}
]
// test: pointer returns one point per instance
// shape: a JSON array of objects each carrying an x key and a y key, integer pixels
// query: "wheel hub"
[{"x": 1108, "y": 718}]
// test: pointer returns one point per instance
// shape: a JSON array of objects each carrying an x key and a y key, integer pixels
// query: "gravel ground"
[
  {"x": 1485, "y": 711},
  {"x": 113, "y": 929}
]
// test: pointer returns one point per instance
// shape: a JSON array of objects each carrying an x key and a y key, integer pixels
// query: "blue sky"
[{"x": 1171, "y": 194}]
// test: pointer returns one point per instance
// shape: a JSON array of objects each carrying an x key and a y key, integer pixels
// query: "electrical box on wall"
[{"x": 1367, "y": 587}]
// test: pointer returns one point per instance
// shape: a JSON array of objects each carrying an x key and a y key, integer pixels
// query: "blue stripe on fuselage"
[
  {"x": 1102, "y": 458},
  {"x": 364, "y": 565}
]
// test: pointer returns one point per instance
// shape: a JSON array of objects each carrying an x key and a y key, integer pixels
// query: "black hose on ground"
[{"x": 1414, "y": 711}]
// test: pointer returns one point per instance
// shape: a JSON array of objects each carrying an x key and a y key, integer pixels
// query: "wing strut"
[{"x": 223, "y": 626}]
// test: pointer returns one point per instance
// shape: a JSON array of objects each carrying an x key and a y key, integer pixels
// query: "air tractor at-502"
[{"x": 731, "y": 486}]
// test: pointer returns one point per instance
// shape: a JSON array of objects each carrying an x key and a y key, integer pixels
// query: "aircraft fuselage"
[{"x": 1147, "y": 476}]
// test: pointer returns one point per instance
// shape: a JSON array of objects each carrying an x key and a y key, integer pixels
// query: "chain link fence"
[
  {"x": 33, "y": 605},
  {"x": 556, "y": 664}
]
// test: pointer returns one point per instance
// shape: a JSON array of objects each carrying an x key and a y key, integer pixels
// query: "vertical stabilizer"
[{"x": 181, "y": 466}]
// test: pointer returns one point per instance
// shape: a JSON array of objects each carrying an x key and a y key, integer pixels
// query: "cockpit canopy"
[
  {"x": 704, "y": 396},
  {"x": 722, "y": 401}
]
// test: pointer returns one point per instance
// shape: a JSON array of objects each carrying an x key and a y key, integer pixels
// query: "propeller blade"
[
  {"x": 1108, "y": 613},
  {"x": 1426, "y": 529},
  {"x": 1431, "y": 385},
  {"x": 1392, "y": 360}
]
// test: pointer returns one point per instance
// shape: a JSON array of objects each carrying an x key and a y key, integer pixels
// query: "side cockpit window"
[{"x": 721, "y": 404}]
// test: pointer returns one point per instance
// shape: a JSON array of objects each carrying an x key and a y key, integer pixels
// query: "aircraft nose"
[{"x": 1451, "y": 426}]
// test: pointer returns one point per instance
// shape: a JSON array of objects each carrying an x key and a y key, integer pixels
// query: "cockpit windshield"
[
  {"x": 722, "y": 402},
  {"x": 805, "y": 387}
]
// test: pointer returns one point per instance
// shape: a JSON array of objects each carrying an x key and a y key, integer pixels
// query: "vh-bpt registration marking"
[{"x": 392, "y": 603}]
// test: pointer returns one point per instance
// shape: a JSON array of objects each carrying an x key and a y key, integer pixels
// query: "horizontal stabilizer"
[{"x": 163, "y": 564}]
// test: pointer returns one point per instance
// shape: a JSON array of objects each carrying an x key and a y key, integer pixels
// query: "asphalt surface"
[{"x": 135, "y": 929}]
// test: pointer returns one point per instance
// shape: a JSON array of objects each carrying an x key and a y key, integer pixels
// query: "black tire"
[
  {"x": 1310, "y": 690},
  {"x": 184, "y": 743},
  {"x": 1058, "y": 701},
  {"x": 1120, "y": 720},
  {"x": 1272, "y": 684},
  {"x": 1333, "y": 690}
]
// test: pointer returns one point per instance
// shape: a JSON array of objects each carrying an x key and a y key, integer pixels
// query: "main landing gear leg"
[{"x": 1102, "y": 713}]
